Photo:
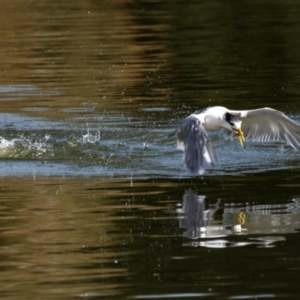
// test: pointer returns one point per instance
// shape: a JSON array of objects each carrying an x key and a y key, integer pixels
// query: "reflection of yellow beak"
[{"x": 240, "y": 136}]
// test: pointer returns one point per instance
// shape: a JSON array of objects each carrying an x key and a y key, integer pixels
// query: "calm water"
[{"x": 95, "y": 202}]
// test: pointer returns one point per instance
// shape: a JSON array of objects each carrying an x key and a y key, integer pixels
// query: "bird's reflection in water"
[
  {"x": 199, "y": 221},
  {"x": 212, "y": 225}
]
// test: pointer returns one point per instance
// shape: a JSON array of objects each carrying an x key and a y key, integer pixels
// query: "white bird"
[{"x": 258, "y": 125}]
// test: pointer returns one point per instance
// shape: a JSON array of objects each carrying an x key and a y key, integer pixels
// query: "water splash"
[
  {"x": 23, "y": 147},
  {"x": 46, "y": 146},
  {"x": 90, "y": 138},
  {"x": 5, "y": 146}
]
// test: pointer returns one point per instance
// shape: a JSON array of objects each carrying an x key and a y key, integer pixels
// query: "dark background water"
[{"x": 95, "y": 202}]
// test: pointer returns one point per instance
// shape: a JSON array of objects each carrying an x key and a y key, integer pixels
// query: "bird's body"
[
  {"x": 211, "y": 118},
  {"x": 259, "y": 125}
]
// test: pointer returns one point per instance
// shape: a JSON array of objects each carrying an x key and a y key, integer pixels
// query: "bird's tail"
[{"x": 196, "y": 146}]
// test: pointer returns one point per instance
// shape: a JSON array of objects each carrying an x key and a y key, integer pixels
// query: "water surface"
[{"x": 95, "y": 202}]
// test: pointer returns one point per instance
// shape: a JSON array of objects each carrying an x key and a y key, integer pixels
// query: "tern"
[{"x": 258, "y": 125}]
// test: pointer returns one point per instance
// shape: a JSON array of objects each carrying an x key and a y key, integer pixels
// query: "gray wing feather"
[
  {"x": 194, "y": 141},
  {"x": 266, "y": 125}
]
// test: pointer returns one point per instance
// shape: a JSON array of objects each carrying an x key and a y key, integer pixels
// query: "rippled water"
[
  {"x": 95, "y": 202},
  {"x": 87, "y": 237},
  {"x": 120, "y": 145}
]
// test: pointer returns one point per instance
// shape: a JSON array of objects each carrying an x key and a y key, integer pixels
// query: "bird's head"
[{"x": 234, "y": 124}]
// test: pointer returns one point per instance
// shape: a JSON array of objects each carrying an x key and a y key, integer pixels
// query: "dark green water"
[{"x": 95, "y": 202}]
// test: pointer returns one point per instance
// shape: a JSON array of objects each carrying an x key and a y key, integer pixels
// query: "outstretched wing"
[
  {"x": 267, "y": 124},
  {"x": 192, "y": 138}
]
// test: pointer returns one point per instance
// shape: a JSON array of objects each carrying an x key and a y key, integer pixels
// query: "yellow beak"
[{"x": 240, "y": 136}]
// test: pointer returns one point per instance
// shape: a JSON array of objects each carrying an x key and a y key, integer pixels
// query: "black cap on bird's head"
[{"x": 235, "y": 124}]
